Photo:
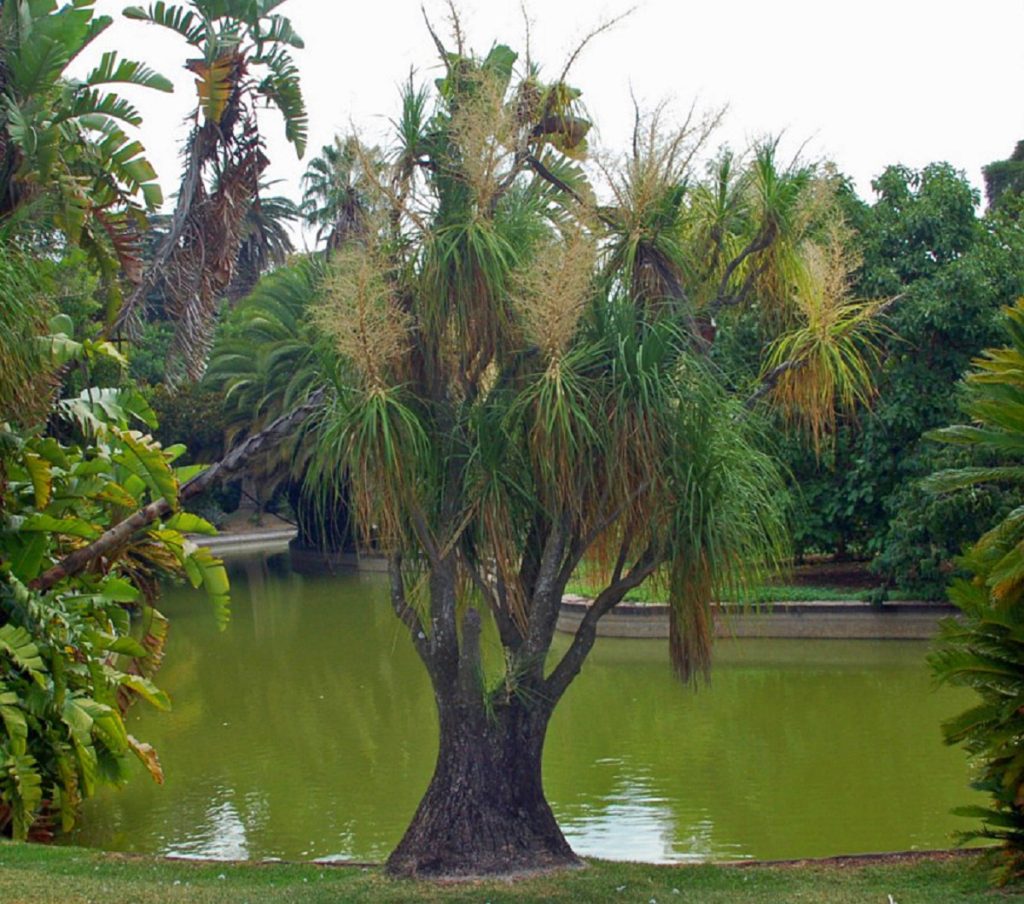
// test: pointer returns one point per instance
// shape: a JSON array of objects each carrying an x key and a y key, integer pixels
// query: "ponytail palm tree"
[{"x": 527, "y": 387}]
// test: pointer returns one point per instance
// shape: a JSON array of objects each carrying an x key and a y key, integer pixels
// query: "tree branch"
[
  {"x": 761, "y": 242},
  {"x": 229, "y": 466},
  {"x": 541, "y": 170},
  {"x": 496, "y": 600},
  {"x": 770, "y": 380},
  {"x": 406, "y": 614},
  {"x": 584, "y": 543},
  {"x": 547, "y": 590},
  {"x": 583, "y": 641}
]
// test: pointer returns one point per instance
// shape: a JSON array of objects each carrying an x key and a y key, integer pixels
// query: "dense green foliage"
[
  {"x": 77, "y": 645},
  {"x": 73, "y": 657},
  {"x": 985, "y": 649},
  {"x": 1004, "y": 179},
  {"x": 64, "y": 151},
  {"x": 949, "y": 272}
]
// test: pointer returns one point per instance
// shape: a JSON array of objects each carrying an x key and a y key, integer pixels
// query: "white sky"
[{"x": 865, "y": 84}]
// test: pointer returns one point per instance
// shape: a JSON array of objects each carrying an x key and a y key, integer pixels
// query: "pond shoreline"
[
  {"x": 821, "y": 619},
  {"x": 850, "y": 861}
]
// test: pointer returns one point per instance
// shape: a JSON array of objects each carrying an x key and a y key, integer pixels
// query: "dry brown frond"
[
  {"x": 358, "y": 310},
  {"x": 552, "y": 291}
]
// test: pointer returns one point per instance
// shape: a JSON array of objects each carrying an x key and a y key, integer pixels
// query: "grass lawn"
[
  {"x": 773, "y": 593},
  {"x": 33, "y": 874}
]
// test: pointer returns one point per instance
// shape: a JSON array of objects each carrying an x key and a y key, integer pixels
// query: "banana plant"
[
  {"x": 64, "y": 142},
  {"x": 73, "y": 657},
  {"x": 243, "y": 59}
]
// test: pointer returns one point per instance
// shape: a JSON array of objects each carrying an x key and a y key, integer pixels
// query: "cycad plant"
[
  {"x": 984, "y": 649},
  {"x": 269, "y": 359},
  {"x": 527, "y": 387}
]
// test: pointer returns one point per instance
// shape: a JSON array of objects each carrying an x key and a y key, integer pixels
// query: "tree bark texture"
[{"x": 484, "y": 811}]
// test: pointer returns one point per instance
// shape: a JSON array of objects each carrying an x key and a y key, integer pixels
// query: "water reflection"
[
  {"x": 633, "y": 822},
  {"x": 306, "y": 730},
  {"x": 220, "y": 836}
]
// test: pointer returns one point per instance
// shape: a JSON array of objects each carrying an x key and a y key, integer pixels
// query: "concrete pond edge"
[{"x": 846, "y": 620}]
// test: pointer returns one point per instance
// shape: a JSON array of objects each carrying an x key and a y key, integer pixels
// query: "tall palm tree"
[
  {"x": 337, "y": 196},
  {"x": 243, "y": 59},
  {"x": 266, "y": 242}
]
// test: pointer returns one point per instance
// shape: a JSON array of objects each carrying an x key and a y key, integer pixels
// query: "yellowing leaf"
[
  {"x": 147, "y": 755},
  {"x": 41, "y": 474}
]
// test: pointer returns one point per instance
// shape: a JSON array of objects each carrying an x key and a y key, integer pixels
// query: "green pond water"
[{"x": 306, "y": 730}]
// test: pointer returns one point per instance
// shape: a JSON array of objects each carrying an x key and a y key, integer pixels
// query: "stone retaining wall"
[{"x": 843, "y": 620}]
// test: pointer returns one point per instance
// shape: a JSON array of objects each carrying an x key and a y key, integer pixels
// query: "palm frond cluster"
[
  {"x": 984, "y": 650},
  {"x": 68, "y": 163}
]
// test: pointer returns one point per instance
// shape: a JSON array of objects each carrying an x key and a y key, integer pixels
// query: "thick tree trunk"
[{"x": 485, "y": 811}]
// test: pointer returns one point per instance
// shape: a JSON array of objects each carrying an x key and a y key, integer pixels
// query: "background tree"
[
  {"x": 922, "y": 241},
  {"x": 1004, "y": 179},
  {"x": 268, "y": 359},
  {"x": 244, "y": 59},
  {"x": 337, "y": 196},
  {"x": 266, "y": 243},
  {"x": 523, "y": 385}
]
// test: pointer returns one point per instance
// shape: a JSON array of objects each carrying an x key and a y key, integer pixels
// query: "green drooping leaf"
[
  {"x": 21, "y": 786},
  {"x": 189, "y": 523},
  {"x": 112, "y": 69},
  {"x": 144, "y": 457},
  {"x": 206, "y": 570},
  {"x": 145, "y": 689},
  {"x": 72, "y": 527}
]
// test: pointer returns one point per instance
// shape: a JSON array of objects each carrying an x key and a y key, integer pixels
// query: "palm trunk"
[{"x": 484, "y": 811}]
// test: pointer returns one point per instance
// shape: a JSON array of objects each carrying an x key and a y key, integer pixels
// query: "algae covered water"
[{"x": 307, "y": 730}]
